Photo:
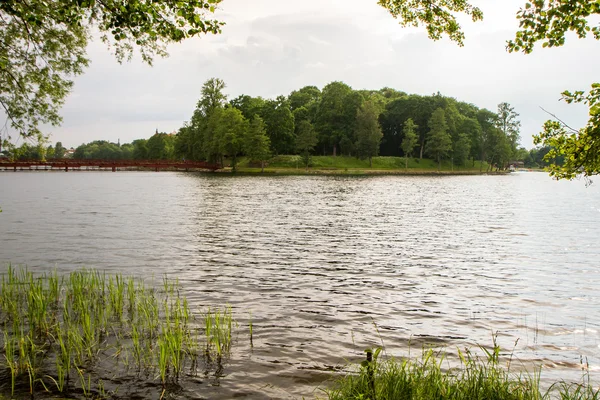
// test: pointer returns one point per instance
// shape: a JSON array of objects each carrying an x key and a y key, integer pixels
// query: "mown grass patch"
[{"x": 353, "y": 164}]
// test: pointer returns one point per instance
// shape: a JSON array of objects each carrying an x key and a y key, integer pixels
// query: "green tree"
[
  {"x": 127, "y": 151},
  {"x": 522, "y": 154},
  {"x": 279, "y": 121},
  {"x": 542, "y": 21},
  {"x": 231, "y": 132},
  {"x": 500, "y": 150},
  {"x": 44, "y": 43},
  {"x": 487, "y": 121},
  {"x": 419, "y": 108},
  {"x": 437, "y": 15},
  {"x": 212, "y": 97},
  {"x": 29, "y": 152},
  {"x": 140, "y": 149},
  {"x": 306, "y": 140},
  {"x": 304, "y": 97},
  {"x": 59, "y": 150},
  {"x": 184, "y": 143},
  {"x": 461, "y": 149},
  {"x": 197, "y": 140},
  {"x": 301, "y": 114},
  {"x": 368, "y": 132},
  {"x": 248, "y": 105},
  {"x": 257, "y": 144},
  {"x": 98, "y": 150},
  {"x": 410, "y": 140},
  {"x": 471, "y": 127},
  {"x": 50, "y": 152},
  {"x": 335, "y": 117},
  {"x": 573, "y": 152},
  {"x": 508, "y": 123},
  {"x": 160, "y": 146},
  {"x": 439, "y": 141}
]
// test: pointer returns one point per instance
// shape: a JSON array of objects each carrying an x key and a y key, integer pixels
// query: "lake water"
[{"x": 331, "y": 265}]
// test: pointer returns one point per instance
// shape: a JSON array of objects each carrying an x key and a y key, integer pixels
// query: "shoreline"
[
  {"x": 279, "y": 171},
  {"x": 352, "y": 172}
]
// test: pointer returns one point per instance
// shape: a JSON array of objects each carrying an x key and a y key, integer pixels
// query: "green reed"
[
  {"x": 218, "y": 330},
  {"x": 59, "y": 327},
  {"x": 9, "y": 355},
  {"x": 425, "y": 378},
  {"x": 250, "y": 327}
]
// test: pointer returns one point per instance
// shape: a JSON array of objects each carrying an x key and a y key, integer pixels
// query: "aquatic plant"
[
  {"x": 218, "y": 328},
  {"x": 425, "y": 379},
  {"x": 60, "y": 327}
]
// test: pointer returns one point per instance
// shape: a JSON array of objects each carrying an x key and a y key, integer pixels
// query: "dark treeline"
[
  {"x": 160, "y": 146},
  {"x": 334, "y": 121}
]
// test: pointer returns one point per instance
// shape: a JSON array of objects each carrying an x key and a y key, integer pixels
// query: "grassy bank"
[
  {"x": 352, "y": 165},
  {"x": 474, "y": 378}
]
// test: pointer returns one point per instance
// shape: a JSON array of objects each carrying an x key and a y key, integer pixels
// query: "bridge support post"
[
  {"x": 156, "y": 169},
  {"x": 15, "y": 168},
  {"x": 66, "y": 168},
  {"x": 114, "y": 169}
]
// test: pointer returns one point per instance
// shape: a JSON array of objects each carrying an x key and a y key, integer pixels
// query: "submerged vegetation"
[
  {"x": 77, "y": 333},
  {"x": 427, "y": 378}
]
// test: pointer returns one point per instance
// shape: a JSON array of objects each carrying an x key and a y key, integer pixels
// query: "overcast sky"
[{"x": 271, "y": 47}]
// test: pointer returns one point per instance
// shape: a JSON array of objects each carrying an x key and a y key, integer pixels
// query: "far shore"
[
  {"x": 346, "y": 165},
  {"x": 353, "y": 172}
]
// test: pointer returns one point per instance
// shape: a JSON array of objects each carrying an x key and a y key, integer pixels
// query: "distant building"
[
  {"x": 514, "y": 165},
  {"x": 69, "y": 153}
]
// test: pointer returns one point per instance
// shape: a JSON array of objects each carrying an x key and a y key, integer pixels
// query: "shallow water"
[{"x": 331, "y": 265}]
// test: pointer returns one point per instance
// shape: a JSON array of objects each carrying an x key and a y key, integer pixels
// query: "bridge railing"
[{"x": 113, "y": 164}]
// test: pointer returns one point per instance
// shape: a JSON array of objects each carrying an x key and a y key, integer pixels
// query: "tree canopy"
[
  {"x": 545, "y": 21},
  {"x": 43, "y": 46},
  {"x": 438, "y": 16}
]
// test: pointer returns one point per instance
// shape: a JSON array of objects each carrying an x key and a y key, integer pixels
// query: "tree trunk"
[
  {"x": 439, "y": 163},
  {"x": 422, "y": 147},
  {"x": 262, "y": 166},
  {"x": 334, "y": 150},
  {"x": 405, "y": 162}
]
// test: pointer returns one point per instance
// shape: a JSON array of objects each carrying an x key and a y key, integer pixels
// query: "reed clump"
[
  {"x": 76, "y": 332},
  {"x": 426, "y": 379}
]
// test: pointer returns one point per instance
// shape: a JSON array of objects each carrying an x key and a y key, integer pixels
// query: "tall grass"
[
  {"x": 218, "y": 330},
  {"x": 59, "y": 332},
  {"x": 426, "y": 379}
]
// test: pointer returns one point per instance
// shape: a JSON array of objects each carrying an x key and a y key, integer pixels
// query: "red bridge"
[{"x": 94, "y": 165}]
